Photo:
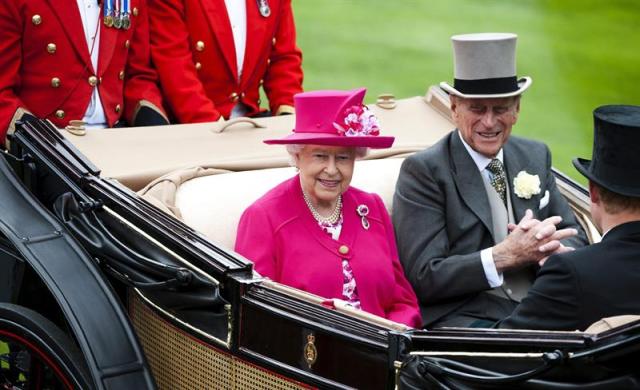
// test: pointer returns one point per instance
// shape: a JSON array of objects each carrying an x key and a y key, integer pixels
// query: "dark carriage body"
[{"x": 150, "y": 301}]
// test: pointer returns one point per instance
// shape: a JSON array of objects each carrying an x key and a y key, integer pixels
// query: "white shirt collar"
[
  {"x": 237, "y": 12},
  {"x": 480, "y": 160},
  {"x": 94, "y": 115}
]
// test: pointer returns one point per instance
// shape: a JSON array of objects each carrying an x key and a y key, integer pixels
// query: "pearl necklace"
[{"x": 331, "y": 219}]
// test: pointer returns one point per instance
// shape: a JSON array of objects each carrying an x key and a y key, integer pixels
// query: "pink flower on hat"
[{"x": 358, "y": 121}]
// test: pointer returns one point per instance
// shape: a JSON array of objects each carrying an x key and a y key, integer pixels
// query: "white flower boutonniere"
[{"x": 525, "y": 185}]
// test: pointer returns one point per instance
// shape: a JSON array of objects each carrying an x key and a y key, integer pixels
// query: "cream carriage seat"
[{"x": 212, "y": 201}]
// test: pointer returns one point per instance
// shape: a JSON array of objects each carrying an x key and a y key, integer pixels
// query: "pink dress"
[{"x": 281, "y": 236}]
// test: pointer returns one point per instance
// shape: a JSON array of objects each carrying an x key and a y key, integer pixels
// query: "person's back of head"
[{"x": 614, "y": 203}]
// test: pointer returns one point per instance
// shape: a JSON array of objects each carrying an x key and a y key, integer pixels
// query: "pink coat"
[{"x": 281, "y": 236}]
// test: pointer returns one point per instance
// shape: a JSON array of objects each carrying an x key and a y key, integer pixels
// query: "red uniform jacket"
[
  {"x": 281, "y": 236},
  {"x": 46, "y": 68},
  {"x": 193, "y": 49}
]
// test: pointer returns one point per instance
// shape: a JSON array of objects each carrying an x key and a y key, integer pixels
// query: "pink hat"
[{"x": 336, "y": 118}]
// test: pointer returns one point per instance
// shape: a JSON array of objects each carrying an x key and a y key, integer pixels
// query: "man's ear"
[
  {"x": 516, "y": 103},
  {"x": 453, "y": 100},
  {"x": 594, "y": 193}
]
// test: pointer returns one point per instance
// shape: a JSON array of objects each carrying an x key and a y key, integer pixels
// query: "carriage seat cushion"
[{"x": 213, "y": 203}]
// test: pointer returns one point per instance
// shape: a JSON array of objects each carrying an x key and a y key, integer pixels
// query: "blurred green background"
[{"x": 580, "y": 54}]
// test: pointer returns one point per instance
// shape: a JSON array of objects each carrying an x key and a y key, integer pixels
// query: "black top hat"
[{"x": 616, "y": 150}]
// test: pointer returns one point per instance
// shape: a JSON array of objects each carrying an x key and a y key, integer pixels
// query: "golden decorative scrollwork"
[{"x": 310, "y": 351}]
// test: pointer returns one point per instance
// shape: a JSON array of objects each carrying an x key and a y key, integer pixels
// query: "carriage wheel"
[{"x": 37, "y": 355}]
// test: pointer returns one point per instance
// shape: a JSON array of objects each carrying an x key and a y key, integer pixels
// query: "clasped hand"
[{"x": 531, "y": 241}]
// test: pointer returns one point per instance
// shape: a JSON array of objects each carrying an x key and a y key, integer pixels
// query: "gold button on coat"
[
  {"x": 36, "y": 19},
  {"x": 51, "y": 48},
  {"x": 117, "y": 108},
  {"x": 127, "y": 44},
  {"x": 135, "y": 11},
  {"x": 268, "y": 61},
  {"x": 343, "y": 249},
  {"x": 199, "y": 46},
  {"x": 55, "y": 82},
  {"x": 198, "y": 66},
  {"x": 59, "y": 114},
  {"x": 273, "y": 41},
  {"x": 234, "y": 96},
  {"x": 121, "y": 75},
  {"x": 93, "y": 80}
]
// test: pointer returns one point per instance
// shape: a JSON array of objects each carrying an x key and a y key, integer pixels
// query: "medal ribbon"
[
  {"x": 126, "y": 12},
  {"x": 107, "y": 8}
]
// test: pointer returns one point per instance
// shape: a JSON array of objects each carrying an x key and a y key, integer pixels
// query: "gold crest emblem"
[{"x": 310, "y": 351}]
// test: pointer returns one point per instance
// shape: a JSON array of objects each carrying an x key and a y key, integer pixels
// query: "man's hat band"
[{"x": 491, "y": 86}]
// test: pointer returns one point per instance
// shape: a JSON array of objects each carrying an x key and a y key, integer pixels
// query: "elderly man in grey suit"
[{"x": 457, "y": 202}]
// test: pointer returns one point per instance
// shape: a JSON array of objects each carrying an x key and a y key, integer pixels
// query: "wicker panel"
[
  {"x": 181, "y": 362},
  {"x": 178, "y": 361},
  {"x": 250, "y": 377}
]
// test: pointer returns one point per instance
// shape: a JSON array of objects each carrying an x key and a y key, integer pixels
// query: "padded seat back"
[{"x": 213, "y": 203}]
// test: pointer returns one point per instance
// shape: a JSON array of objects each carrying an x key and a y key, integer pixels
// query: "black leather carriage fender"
[
  {"x": 112, "y": 353},
  {"x": 183, "y": 292}
]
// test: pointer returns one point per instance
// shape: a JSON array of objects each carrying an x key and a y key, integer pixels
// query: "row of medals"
[
  {"x": 118, "y": 18},
  {"x": 118, "y": 21},
  {"x": 122, "y": 19}
]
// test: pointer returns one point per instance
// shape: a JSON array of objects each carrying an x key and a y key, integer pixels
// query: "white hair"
[{"x": 293, "y": 149}]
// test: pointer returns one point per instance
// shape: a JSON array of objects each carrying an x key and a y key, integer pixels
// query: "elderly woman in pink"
[{"x": 315, "y": 232}]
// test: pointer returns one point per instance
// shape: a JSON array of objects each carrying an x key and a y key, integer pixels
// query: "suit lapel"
[
  {"x": 219, "y": 23},
  {"x": 514, "y": 163},
  {"x": 469, "y": 182},
  {"x": 256, "y": 28},
  {"x": 108, "y": 39},
  {"x": 69, "y": 16}
]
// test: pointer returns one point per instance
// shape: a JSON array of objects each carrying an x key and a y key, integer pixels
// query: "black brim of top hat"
[
  {"x": 626, "y": 188},
  {"x": 488, "y": 93}
]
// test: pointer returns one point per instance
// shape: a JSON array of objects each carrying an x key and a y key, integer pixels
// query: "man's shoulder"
[
  {"x": 526, "y": 144},
  {"x": 435, "y": 153},
  {"x": 585, "y": 259}
]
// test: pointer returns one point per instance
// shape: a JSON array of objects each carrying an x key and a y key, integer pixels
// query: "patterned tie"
[{"x": 498, "y": 179}]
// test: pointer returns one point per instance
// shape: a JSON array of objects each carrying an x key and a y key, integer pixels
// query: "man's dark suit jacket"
[
  {"x": 575, "y": 289},
  {"x": 442, "y": 219}
]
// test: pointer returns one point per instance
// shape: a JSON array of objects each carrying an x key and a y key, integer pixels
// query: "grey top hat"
[{"x": 485, "y": 66}]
